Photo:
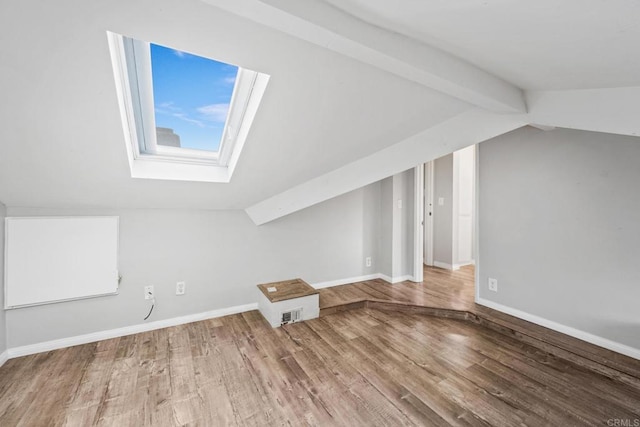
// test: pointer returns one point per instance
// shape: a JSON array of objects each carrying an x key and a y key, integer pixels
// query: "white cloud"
[
  {"x": 230, "y": 80},
  {"x": 209, "y": 113},
  {"x": 167, "y": 108},
  {"x": 179, "y": 53},
  {"x": 188, "y": 119},
  {"x": 215, "y": 112}
]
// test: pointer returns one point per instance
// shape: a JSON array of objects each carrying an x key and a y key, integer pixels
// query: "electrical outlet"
[
  {"x": 148, "y": 292},
  {"x": 493, "y": 284},
  {"x": 180, "y": 288},
  {"x": 399, "y": 202},
  {"x": 367, "y": 261}
]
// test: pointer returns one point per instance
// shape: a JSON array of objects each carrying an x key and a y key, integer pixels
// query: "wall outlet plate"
[
  {"x": 493, "y": 284},
  {"x": 180, "y": 288},
  {"x": 148, "y": 292},
  {"x": 367, "y": 261}
]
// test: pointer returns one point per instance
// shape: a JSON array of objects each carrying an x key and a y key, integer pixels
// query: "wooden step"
[{"x": 590, "y": 356}]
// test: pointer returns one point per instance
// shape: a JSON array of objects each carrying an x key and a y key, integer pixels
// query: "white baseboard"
[
  {"x": 463, "y": 264},
  {"x": 339, "y": 282},
  {"x": 396, "y": 279},
  {"x": 385, "y": 278},
  {"x": 127, "y": 330},
  {"x": 444, "y": 265},
  {"x": 402, "y": 278},
  {"x": 567, "y": 330},
  {"x": 452, "y": 267},
  {"x": 159, "y": 324},
  {"x": 4, "y": 356}
]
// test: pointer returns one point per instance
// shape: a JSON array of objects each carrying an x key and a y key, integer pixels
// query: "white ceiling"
[
  {"x": 539, "y": 44},
  {"x": 332, "y": 101},
  {"x": 62, "y": 140}
]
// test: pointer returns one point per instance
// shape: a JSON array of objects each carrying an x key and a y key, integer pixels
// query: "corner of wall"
[
  {"x": 3, "y": 315},
  {"x": 550, "y": 248}
]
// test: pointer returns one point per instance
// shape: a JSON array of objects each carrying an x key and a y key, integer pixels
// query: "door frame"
[
  {"x": 418, "y": 224},
  {"x": 427, "y": 208}
]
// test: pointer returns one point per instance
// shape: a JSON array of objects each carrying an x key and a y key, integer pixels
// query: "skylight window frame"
[{"x": 131, "y": 61}]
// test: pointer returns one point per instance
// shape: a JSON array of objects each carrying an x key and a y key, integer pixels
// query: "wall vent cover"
[{"x": 292, "y": 316}]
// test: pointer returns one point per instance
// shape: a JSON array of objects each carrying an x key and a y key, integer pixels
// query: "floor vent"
[{"x": 291, "y": 316}]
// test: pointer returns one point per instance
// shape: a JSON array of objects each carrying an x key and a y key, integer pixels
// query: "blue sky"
[{"x": 191, "y": 95}]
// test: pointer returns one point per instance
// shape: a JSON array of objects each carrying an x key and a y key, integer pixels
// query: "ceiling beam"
[
  {"x": 468, "y": 128},
  {"x": 614, "y": 110},
  {"x": 542, "y": 127},
  {"x": 320, "y": 23}
]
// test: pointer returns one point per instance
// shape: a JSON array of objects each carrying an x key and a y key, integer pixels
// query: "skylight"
[
  {"x": 186, "y": 117},
  {"x": 191, "y": 97}
]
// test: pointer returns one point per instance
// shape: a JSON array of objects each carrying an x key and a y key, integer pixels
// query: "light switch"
[{"x": 440, "y": 201}]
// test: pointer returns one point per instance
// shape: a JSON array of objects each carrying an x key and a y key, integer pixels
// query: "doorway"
[{"x": 449, "y": 211}]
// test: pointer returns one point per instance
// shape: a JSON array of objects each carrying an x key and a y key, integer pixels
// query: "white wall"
[
  {"x": 221, "y": 255},
  {"x": 464, "y": 177},
  {"x": 560, "y": 229},
  {"x": 396, "y": 226},
  {"x": 453, "y": 221},
  {"x": 3, "y": 320},
  {"x": 385, "y": 247},
  {"x": 407, "y": 226},
  {"x": 443, "y": 214}
]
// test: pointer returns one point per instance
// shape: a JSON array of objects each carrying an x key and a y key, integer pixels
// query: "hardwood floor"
[
  {"x": 450, "y": 294},
  {"x": 440, "y": 289},
  {"x": 357, "y": 367}
]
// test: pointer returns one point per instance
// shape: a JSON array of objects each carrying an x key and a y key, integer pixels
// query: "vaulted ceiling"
[
  {"x": 359, "y": 90},
  {"x": 542, "y": 44}
]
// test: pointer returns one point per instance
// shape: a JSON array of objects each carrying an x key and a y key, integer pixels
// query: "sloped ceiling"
[
  {"x": 402, "y": 84},
  {"x": 542, "y": 44},
  {"x": 62, "y": 140}
]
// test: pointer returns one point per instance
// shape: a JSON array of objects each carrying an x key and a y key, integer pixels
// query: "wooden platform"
[
  {"x": 288, "y": 301},
  {"x": 450, "y": 294},
  {"x": 287, "y": 289}
]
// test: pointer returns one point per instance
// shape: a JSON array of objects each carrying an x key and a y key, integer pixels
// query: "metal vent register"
[{"x": 291, "y": 316}]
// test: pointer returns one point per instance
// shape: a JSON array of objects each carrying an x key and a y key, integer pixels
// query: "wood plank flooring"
[
  {"x": 440, "y": 289},
  {"x": 451, "y": 294},
  {"x": 357, "y": 367}
]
